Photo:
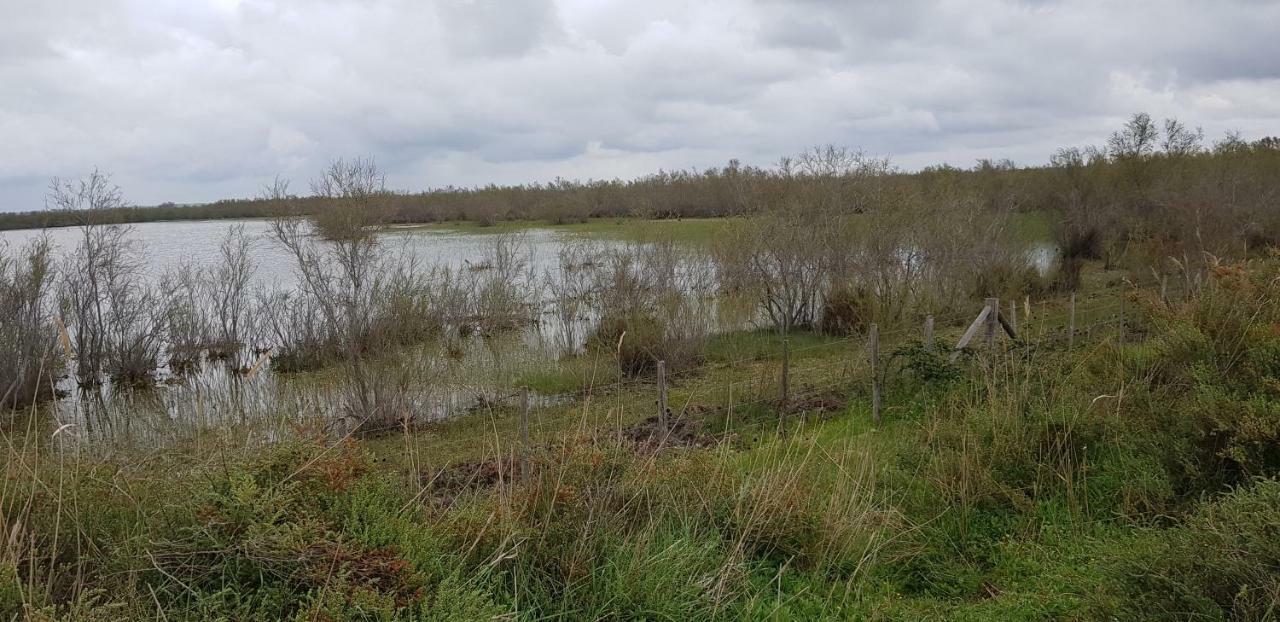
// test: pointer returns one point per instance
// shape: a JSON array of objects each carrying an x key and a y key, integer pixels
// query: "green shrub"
[{"x": 1222, "y": 563}]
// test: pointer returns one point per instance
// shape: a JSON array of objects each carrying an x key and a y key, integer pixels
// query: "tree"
[
  {"x": 1136, "y": 139},
  {"x": 353, "y": 197},
  {"x": 112, "y": 314},
  {"x": 1179, "y": 140}
]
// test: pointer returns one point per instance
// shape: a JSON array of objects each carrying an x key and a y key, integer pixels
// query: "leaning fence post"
[
  {"x": 874, "y": 356},
  {"x": 928, "y": 332},
  {"x": 524, "y": 434},
  {"x": 662, "y": 398},
  {"x": 786, "y": 371},
  {"x": 1071, "y": 325}
]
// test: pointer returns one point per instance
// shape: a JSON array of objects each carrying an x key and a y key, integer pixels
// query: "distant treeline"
[{"x": 1146, "y": 175}]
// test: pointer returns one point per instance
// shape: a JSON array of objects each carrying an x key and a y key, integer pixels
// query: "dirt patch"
[
  {"x": 681, "y": 432},
  {"x": 821, "y": 403},
  {"x": 445, "y": 484}
]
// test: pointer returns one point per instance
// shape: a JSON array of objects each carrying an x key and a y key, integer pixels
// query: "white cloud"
[{"x": 190, "y": 100}]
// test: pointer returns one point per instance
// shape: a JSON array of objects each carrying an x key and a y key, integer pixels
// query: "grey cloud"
[
  {"x": 801, "y": 32},
  {"x": 190, "y": 100}
]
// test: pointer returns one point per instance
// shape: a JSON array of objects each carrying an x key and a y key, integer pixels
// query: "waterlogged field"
[
  {"x": 459, "y": 372},
  {"x": 463, "y": 370}
]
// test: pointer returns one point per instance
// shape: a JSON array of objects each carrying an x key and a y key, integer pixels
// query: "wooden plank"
[
  {"x": 1008, "y": 328},
  {"x": 971, "y": 332}
]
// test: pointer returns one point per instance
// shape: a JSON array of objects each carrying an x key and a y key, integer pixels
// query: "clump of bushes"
[
  {"x": 1220, "y": 563},
  {"x": 27, "y": 334},
  {"x": 638, "y": 341},
  {"x": 1216, "y": 358},
  {"x": 846, "y": 311}
]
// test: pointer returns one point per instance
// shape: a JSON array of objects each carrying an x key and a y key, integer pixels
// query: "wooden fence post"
[
  {"x": 928, "y": 332},
  {"x": 874, "y": 355},
  {"x": 662, "y": 398},
  {"x": 1071, "y": 325},
  {"x": 1164, "y": 289},
  {"x": 1013, "y": 314},
  {"x": 786, "y": 371},
  {"x": 993, "y": 320},
  {"x": 524, "y": 434}
]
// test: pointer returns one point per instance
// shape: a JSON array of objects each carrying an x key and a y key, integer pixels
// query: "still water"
[
  {"x": 212, "y": 397},
  {"x": 168, "y": 245}
]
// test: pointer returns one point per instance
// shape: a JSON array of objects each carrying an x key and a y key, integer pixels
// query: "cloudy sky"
[{"x": 195, "y": 100}]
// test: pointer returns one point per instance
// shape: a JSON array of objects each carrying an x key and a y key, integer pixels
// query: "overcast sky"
[{"x": 195, "y": 100}]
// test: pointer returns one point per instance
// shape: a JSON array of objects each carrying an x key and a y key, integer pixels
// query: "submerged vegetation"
[{"x": 1113, "y": 453}]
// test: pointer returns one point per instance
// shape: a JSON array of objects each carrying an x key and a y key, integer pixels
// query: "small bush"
[
  {"x": 26, "y": 334},
  {"x": 1223, "y": 562},
  {"x": 637, "y": 341},
  {"x": 846, "y": 311}
]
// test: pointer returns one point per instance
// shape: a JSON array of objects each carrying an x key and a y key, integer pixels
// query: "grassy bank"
[{"x": 1128, "y": 477}]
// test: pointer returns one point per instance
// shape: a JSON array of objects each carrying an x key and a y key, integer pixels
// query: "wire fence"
[
  {"x": 786, "y": 380},
  {"x": 775, "y": 376}
]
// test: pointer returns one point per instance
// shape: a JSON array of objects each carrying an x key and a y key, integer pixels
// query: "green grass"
[
  {"x": 570, "y": 375},
  {"x": 765, "y": 344},
  {"x": 1033, "y": 227},
  {"x": 1002, "y": 492}
]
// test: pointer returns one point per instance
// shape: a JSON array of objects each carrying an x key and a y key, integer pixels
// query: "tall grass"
[{"x": 1031, "y": 482}]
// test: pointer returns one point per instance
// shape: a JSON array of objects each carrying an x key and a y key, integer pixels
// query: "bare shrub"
[
  {"x": 570, "y": 289},
  {"x": 355, "y": 302},
  {"x": 27, "y": 334},
  {"x": 650, "y": 301},
  {"x": 781, "y": 261},
  {"x": 353, "y": 204},
  {"x": 229, "y": 295},
  {"x": 113, "y": 315},
  {"x": 186, "y": 318},
  {"x": 501, "y": 286},
  {"x": 208, "y": 310}
]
